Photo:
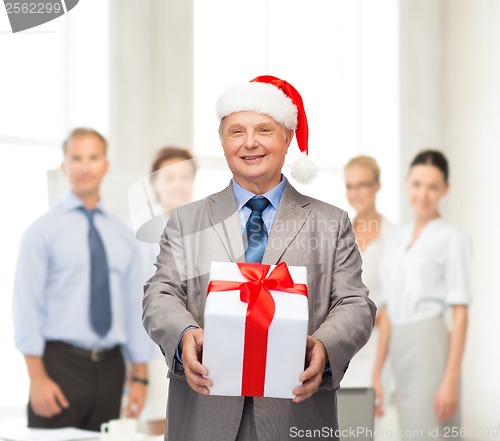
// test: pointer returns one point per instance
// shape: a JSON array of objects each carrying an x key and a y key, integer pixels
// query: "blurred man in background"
[{"x": 77, "y": 303}]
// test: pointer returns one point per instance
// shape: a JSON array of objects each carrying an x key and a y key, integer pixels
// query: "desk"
[
  {"x": 22, "y": 433},
  {"x": 66, "y": 434}
]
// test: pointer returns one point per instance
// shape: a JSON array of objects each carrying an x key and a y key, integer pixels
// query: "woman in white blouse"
[
  {"x": 362, "y": 182},
  {"x": 424, "y": 273}
]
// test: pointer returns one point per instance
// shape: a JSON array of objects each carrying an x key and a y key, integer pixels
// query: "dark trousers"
[
  {"x": 92, "y": 383},
  {"x": 247, "y": 431}
]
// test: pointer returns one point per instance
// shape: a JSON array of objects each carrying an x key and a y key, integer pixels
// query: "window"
[
  {"x": 341, "y": 55},
  {"x": 23, "y": 179},
  {"x": 53, "y": 77}
]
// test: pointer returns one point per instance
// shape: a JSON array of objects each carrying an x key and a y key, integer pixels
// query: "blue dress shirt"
[
  {"x": 243, "y": 196},
  {"x": 51, "y": 288}
]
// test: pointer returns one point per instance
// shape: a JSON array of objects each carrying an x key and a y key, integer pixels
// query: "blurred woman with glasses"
[{"x": 362, "y": 181}]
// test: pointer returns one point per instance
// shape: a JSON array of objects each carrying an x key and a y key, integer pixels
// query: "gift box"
[{"x": 256, "y": 322}]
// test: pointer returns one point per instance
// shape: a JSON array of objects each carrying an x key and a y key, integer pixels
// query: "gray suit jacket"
[{"x": 305, "y": 232}]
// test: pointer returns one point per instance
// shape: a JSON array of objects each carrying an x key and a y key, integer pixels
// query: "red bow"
[{"x": 260, "y": 313}]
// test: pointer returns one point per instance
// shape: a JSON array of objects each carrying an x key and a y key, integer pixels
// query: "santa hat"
[{"x": 279, "y": 100}]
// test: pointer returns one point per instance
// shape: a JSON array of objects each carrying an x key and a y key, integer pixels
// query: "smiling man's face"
[
  {"x": 85, "y": 164},
  {"x": 255, "y": 146}
]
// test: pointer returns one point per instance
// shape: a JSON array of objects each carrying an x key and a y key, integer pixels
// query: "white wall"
[
  {"x": 450, "y": 99},
  {"x": 342, "y": 56},
  {"x": 421, "y": 71},
  {"x": 472, "y": 141}
]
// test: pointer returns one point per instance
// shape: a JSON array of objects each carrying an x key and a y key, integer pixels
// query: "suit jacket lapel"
[
  {"x": 223, "y": 214},
  {"x": 292, "y": 213}
]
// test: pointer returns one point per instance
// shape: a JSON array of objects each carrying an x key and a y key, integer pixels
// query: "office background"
[{"x": 380, "y": 77}]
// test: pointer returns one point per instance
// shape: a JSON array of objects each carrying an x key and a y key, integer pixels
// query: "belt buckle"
[{"x": 95, "y": 355}]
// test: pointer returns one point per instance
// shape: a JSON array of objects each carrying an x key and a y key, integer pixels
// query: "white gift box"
[{"x": 224, "y": 335}]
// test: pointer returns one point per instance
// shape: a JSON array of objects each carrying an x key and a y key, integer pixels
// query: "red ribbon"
[{"x": 260, "y": 313}]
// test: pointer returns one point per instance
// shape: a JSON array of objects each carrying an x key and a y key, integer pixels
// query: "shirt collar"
[
  {"x": 72, "y": 202},
  {"x": 274, "y": 195}
]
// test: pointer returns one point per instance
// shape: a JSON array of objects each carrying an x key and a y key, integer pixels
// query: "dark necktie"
[
  {"x": 256, "y": 230},
  {"x": 100, "y": 298}
]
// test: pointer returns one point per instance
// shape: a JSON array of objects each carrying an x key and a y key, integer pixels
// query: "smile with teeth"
[{"x": 252, "y": 157}]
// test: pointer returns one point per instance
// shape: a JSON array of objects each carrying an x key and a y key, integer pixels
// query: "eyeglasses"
[{"x": 360, "y": 186}]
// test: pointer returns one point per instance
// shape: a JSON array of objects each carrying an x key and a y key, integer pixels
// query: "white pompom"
[{"x": 304, "y": 170}]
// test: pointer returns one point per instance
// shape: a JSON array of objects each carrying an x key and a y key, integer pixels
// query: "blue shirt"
[
  {"x": 51, "y": 288},
  {"x": 243, "y": 196}
]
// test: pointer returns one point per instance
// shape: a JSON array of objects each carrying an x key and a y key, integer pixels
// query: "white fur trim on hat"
[
  {"x": 261, "y": 98},
  {"x": 304, "y": 170}
]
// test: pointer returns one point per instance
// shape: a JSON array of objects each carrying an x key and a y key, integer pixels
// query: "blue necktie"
[
  {"x": 256, "y": 230},
  {"x": 100, "y": 298}
]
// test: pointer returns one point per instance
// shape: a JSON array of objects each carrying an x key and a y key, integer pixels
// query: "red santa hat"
[
  {"x": 271, "y": 96},
  {"x": 281, "y": 101}
]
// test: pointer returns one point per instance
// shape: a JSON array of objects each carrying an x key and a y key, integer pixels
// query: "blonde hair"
[{"x": 365, "y": 161}]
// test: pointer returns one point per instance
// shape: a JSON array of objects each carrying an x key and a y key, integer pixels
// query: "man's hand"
[
  {"x": 136, "y": 399},
  {"x": 46, "y": 397},
  {"x": 316, "y": 358},
  {"x": 191, "y": 346},
  {"x": 137, "y": 390}
]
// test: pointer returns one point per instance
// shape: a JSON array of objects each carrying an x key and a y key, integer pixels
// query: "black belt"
[{"x": 95, "y": 355}]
